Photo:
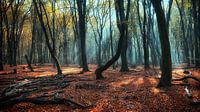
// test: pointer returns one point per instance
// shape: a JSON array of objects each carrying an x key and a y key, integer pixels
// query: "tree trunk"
[
  {"x": 122, "y": 27},
  {"x": 185, "y": 44},
  {"x": 53, "y": 29},
  {"x": 144, "y": 37},
  {"x": 1, "y": 36},
  {"x": 198, "y": 36},
  {"x": 32, "y": 52},
  {"x": 65, "y": 54},
  {"x": 29, "y": 63},
  {"x": 166, "y": 68},
  {"x": 59, "y": 71},
  {"x": 124, "y": 66},
  {"x": 81, "y": 5},
  {"x": 111, "y": 37},
  {"x": 143, "y": 33},
  {"x": 196, "y": 33}
]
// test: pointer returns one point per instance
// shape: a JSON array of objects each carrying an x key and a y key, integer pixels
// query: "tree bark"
[
  {"x": 29, "y": 63},
  {"x": 124, "y": 66},
  {"x": 196, "y": 32},
  {"x": 185, "y": 43},
  {"x": 119, "y": 6},
  {"x": 81, "y": 5},
  {"x": 65, "y": 48},
  {"x": 59, "y": 71},
  {"x": 1, "y": 36},
  {"x": 111, "y": 36},
  {"x": 166, "y": 68},
  {"x": 143, "y": 33},
  {"x": 144, "y": 37}
]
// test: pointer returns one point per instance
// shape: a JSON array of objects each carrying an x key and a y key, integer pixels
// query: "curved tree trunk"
[
  {"x": 119, "y": 5},
  {"x": 59, "y": 71},
  {"x": 166, "y": 64}
]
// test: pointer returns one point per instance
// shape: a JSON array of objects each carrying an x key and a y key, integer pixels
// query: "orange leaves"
[{"x": 133, "y": 91}]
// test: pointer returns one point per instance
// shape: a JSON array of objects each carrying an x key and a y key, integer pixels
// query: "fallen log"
[
  {"x": 13, "y": 89},
  {"x": 40, "y": 101}
]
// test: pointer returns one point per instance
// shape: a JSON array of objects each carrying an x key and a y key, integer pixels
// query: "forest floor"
[{"x": 119, "y": 92}]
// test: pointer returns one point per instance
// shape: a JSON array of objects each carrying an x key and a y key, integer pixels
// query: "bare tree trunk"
[
  {"x": 166, "y": 68},
  {"x": 111, "y": 37},
  {"x": 196, "y": 32},
  {"x": 1, "y": 36},
  {"x": 144, "y": 37},
  {"x": 185, "y": 46},
  {"x": 39, "y": 13},
  {"x": 53, "y": 28},
  {"x": 82, "y": 32},
  {"x": 143, "y": 33},
  {"x": 29, "y": 63},
  {"x": 198, "y": 63},
  {"x": 32, "y": 52},
  {"x": 65, "y": 48},
  {"x": 119, "y": 6},
  {"x": 124, "y": 66}
]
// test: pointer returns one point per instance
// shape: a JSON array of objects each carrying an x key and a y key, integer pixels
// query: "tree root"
[
  {"x": 21, "y": 91},
  {"x": 187, "y": 77},
  {"x": 41, "y": 100}
]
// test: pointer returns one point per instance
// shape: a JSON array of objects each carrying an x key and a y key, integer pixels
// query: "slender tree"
[
  {"x": 39, "y": 14},
  {"x": 1, "y": 36},
  {"x": 76, "y": 41},
  {"x": 185, "y": 43},
  {"x": 81, "y": 5},
  {"x": 53, "y": 26},
  {"x": 65, "y": 48},
  {"x": 100, "y": 14},
  {"x": 143, "y": 31},
  {"x": 196, "y": 17},
  {"x": 14, "y": 32},
  {"x": 121, "y": 18},
  {"x": 111, "y": 31}
]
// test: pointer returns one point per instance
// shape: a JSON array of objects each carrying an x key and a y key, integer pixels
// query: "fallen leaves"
[{"x": 133, "y": 91}]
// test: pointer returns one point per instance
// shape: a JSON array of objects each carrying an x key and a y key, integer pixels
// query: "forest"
[{"x": 99, "y": 55}]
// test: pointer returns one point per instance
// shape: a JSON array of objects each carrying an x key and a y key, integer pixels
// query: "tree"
[
  {"x": 166, "y": 63},
  {"x": 77, "y": 42},
  {"x": 144, "y": 33},
  {"x": 81, "y": 5},
  {"x": 1, "y": 36},
  {"x": 111, "y": 32},
  {"x": 100, "y": 14},
  {"x": 65, "y": 54},
  {"x": 196, "y": 17},
  {"x": 119, "y": 6},
  {"x": 53, "y": 26},
  {"x": 124, "y": 66},
  {"x": 16, "y": 20},
  {"x": 39, "y": 14},
  {"x": 32, "y": 51},
  {"x": 185, "y": 44}
]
